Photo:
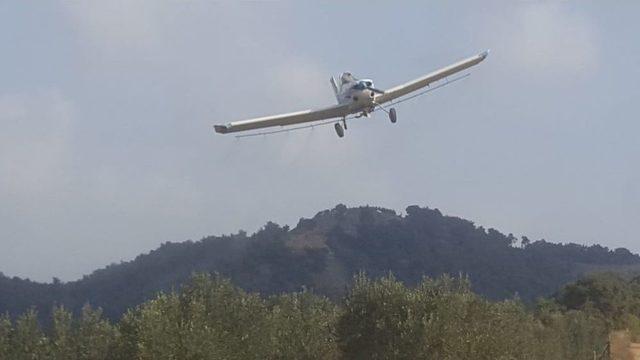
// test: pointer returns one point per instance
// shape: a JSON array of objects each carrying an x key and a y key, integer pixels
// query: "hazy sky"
[{"x": 106, "y": 114}]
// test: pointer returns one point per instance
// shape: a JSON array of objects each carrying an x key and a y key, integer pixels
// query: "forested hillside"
[{"x": 323, "y": 253}]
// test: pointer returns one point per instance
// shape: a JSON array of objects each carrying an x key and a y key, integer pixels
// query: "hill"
[{"x": 323, "y": 253}]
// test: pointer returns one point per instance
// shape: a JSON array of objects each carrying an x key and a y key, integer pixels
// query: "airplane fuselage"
[{"x": 359, "y": 93}]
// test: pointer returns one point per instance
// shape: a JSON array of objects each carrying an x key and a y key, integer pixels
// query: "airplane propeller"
[
  {"x": 378, "y": 91},
  {"x": 362, "y": 85}
]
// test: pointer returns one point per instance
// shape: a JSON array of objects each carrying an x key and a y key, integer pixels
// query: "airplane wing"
[
  {"x": 285, "y": 119},
  {"x": 419, "y": 83}
]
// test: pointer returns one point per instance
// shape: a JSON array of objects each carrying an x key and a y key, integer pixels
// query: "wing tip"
[
  {"x": 221, "y": 129},
  {"x": 484, "y": 54}
]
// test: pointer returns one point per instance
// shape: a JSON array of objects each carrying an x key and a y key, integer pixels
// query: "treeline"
[
  {"x": 322, "y": 254},
  {"x": 210, "y": 318}
]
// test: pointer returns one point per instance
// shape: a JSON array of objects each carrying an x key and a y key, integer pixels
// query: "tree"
[
  {"x": 28, "y": 341},
  {"x": 63, "y": 337},
  {"x": 303, "y": 327},
  {"x": 95, "y": 336},
  {"x": 6, "y": 330},
  {"x": 379, "y": 321}
]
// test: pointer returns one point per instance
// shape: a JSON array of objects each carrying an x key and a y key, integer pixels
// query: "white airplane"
[{"x": 356, "y": 97}]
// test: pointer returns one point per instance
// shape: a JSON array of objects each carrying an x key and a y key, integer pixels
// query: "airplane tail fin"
[{"x": 336, "y": 89}]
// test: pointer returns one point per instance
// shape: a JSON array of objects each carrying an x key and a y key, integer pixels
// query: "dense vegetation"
[
  {"x": 322, "y": 254},
  {"x": 616, "y": 298},
  {"x": 209, "y": 318}
]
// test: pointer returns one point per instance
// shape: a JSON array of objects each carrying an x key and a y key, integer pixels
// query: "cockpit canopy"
[{"x": 363, "y": 84}]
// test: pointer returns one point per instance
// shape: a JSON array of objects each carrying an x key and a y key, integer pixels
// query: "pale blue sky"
[{"x": 106, "y": 108}]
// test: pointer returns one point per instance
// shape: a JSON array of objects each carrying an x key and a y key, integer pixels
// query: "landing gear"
[
  {"x": 339, "y": 129},
  {"x": 391, "y": 112}
]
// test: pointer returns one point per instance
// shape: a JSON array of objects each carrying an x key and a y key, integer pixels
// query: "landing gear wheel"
[
  {"x": 339, "y": 129},
  {"x": 392, "y": 115}
]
